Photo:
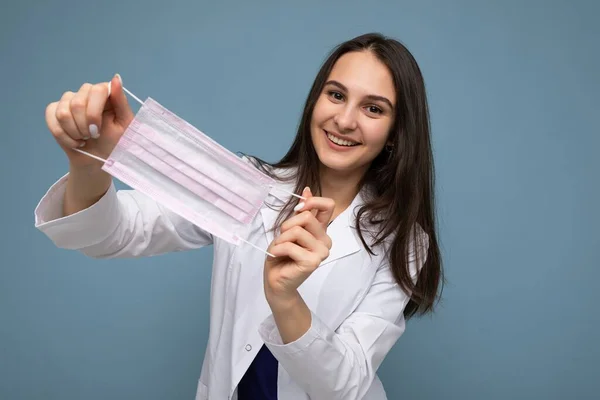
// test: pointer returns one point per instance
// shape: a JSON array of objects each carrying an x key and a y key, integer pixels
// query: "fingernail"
[
  {"x": 81, "y": 144},
  {"x": 86, "y": 138},
  {"x": 307, "y": 189},
  {"x": 109, "y": 86},
  {"x": 299, "y": 206},
  {"x": 120, "y": 80},
  {"x": 94, "y": 131}
]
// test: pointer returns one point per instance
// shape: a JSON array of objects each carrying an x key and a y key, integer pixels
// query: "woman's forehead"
[{"x": 363, "y": 74}]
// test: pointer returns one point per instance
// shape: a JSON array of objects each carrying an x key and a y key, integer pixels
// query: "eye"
[
  {"x": 375, "y": 110},
  {"x": 336, "y": 95}
]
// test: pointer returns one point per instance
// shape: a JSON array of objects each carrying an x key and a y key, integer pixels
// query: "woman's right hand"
[{"x": 92, "y": 119}]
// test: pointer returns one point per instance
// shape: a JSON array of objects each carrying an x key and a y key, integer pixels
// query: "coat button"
[{"x": 248, "y": 347}]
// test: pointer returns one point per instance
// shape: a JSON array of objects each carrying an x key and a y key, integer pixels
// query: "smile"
[{"x": 340, "y": 142}]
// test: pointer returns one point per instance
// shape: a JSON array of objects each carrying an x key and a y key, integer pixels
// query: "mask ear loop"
[
  {"x": 133, "y": 95},
  {"x": 256, "y": 247},
  {"x": 286, "y": 192},
  {"x": 290, "y": 193},
  {"x": 91, "y": 155}
]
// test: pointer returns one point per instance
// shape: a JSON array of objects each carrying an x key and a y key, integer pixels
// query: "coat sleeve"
[
  {"x": 342, "y": 364},
  {"x": 121, "y": 224}
]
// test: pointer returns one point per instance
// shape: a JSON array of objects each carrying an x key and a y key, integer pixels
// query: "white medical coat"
[{"x": 357, "y": 307}]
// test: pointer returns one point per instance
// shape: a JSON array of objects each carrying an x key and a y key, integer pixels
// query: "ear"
[{"x": 390, "y": 138}]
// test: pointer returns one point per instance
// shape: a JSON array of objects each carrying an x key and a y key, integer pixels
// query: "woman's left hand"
[{"x": 300, "y": 248}]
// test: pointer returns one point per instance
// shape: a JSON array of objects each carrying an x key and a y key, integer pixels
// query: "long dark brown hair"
[{"x": 400, "y": 179}]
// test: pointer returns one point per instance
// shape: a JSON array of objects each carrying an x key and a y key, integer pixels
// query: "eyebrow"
[{"x": 370, "y": 97}]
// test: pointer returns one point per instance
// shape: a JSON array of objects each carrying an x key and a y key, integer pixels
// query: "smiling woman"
[
  {"x": 365, "y": 129},
  {"x": 365, "y": 134},
  {"x": 350, "y": 263}
]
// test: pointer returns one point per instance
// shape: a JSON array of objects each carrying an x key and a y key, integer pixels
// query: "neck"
[{"x": 339, "y": 186}]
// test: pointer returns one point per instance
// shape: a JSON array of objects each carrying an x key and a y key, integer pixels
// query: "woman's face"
[{"x": 354, "y": 113}]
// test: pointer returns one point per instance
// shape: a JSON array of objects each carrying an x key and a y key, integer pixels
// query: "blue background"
[{"x": 513, "y": 89}]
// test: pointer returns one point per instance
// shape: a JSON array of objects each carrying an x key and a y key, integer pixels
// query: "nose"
[{"x": 345, "y": 119}]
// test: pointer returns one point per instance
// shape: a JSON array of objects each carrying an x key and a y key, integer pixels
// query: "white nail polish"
[
  {"x": 120, "y": 80},
  {"x": 81, "y": 144},
  {"x": 299, "y": 206},
  {"x": 109, "y": 85},
  {"x": 94, "y": 131}
]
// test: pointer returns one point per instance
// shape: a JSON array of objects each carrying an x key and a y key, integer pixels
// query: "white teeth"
[{"x": 341, "y": 142}]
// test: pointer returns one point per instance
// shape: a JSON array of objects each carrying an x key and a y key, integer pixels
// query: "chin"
[{"x": 339, "y": 164}]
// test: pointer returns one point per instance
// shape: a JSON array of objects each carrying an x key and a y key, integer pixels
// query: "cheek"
[
  {"x": 376, "y": 132},
  {"x": 323, "y": 110},
  {"x": 316, "y": 122}
]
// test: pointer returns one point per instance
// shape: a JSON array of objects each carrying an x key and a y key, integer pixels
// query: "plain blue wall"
[{"x": 513, "y": 90}]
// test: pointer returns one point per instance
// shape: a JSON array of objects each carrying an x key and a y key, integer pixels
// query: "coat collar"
[{"x": 344, "y": 238}]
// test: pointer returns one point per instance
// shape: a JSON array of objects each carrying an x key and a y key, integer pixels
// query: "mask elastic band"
[
  {"x": 91, "y": 155},
  {"x": 256, "y": 247},
  {"x": 290, "y": 193},
  {"x": 133, "y": 95}
]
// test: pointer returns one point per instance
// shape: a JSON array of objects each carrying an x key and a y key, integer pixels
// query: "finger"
[
  {"x": 323, "y": 205},
  {"x": 78, "y": 109},
  {"x": 301, "y": 256},
  {"x": 97, "y": 100},
  {"x": 309, "y": 222},
  {"x": 304, "y": 219},
  {"x": 301, "y": 237},
  {"x": 306, "y": 240},
  {"x": 65, "y": 117},
  {"x": 306, "y": 194},
  {"x": 55, "y": 128},
  {"x": 123, "y": 112}
]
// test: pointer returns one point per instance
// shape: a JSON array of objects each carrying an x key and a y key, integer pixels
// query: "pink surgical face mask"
[{"x": 166, "y": 158}]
